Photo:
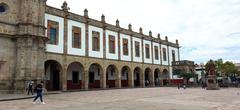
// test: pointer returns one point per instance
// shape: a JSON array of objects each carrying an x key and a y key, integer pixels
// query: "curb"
[{"x": 21, "y": 98}]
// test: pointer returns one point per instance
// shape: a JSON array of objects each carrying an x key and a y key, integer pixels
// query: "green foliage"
[
  {"x": 238, "y": 73},
  {"x": 227, "y": 68},
  {"x": 219, "y": 66},
  {"x": 188, "y": 75}
]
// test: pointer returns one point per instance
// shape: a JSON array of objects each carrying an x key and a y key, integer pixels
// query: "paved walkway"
[
  {"x": 164, "y": 98},
  {"x": 7, "y": 97}
]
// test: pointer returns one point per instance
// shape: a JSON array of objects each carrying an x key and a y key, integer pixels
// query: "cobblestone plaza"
[{"x": 165, "y": 98}]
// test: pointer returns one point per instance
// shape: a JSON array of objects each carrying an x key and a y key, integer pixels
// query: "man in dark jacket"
[
  {"x": 30, "y": 87},
  {"x": 39, "y": 90}
]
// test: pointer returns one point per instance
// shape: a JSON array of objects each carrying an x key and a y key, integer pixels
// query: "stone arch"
[
  {"x": 53, "y": 72},
  {"x": 137, "y": 77},
  {"x": 75, "y": 75},
  {"x": 125, "y": 76},
  {"x": 95, "y": 76},
  {"x": 112, "y": 76},
  {"x": 165, "y": 77},
  {"x": 157, "y": 74},
  {"x": 148, "y": 80}
]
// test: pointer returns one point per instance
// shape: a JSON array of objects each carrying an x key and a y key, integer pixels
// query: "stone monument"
[{"x": 211, "y": 76}]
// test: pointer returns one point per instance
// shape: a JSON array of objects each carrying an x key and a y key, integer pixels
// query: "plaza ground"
[{"x": 163, "y": 98}]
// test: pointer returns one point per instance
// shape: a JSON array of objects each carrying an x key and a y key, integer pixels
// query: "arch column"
[
  {"x": 142, "y": 79},
  {"x": 64, "y": 78},
  {"x": 152, "y": 80},
  {"x": 103, "y": 79},
  {"x": 161, "y": 79},
  {"x": 131, "y": 78},
  {"x": 85, "y": 79},
  {"x": 118, "y": 79},
  {"x": 151, "y": 74}
]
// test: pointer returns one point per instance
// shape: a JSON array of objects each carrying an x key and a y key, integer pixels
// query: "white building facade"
[{"x": 70, "y": 51}]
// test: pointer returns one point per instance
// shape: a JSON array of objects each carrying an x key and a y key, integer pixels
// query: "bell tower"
[
  {"x": 31, "y": 17},
  {"x": 22, "y": 43}
]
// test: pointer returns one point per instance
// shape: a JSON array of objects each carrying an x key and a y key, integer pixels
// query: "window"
[
  {"x": 95, "y": 41},
  {"x": 3, "y": 8},
  {"x": 52, "y": 32},
  {"x": 156, "y": 52},
  {"x": 125, "y": 46},
  {"x": 76, "y": 37},
  {"x": 147, "y": 52},
  {"x": 75, "y": 77},
  {"x": 137, "y": 49},
  {"x": 173, "y": 56},
  {"x": 111, "y": 44},
  {"x": 164, "y": 54}
]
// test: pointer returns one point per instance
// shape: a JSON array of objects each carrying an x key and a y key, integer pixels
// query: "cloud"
[{"x": 206, "y": 29}]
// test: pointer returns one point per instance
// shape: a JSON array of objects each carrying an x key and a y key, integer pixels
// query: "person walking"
[
  {"x": 30, "y": 87},
  {"x": 39, "y": 90},
  {"x": 147, "y": 82},
  {"x": 203, "y": 85},
  {"x": 184, "y": 86},
  {"x": 178, "y": 85}
]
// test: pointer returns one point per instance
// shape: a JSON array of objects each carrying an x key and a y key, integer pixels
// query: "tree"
[
  {"x": 224, "y": 68},
  {"x": 219, "y": 66},
  {"x": 187, "y": 76},
  {"x": 229, "y": 69}
]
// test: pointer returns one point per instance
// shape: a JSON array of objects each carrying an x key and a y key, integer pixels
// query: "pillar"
[
  {"x": 104, "y": 36},
  {"x": 152, "y": 80},
  {"x": 142, "y": 45},
  {"x": 64, "y": 70},
  {"x": 142, "y": 79},
  {"x": 118, "y": 79},
  {"x": 85, "y": 79},
  {"x": 103, "y": 79},
  {"x": 86, "y": 33},
  {"x": 119, "y": 44},
  {"x": 169, "y": 63},
  {"x": 160, "y": 46},
  {"x": 30, "y": 44},
  {"x": 64, "y": 78},
  {"x": 131, "y": 78}
]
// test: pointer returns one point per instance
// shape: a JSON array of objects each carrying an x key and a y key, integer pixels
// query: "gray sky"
[{"x": 206, "y": 29}]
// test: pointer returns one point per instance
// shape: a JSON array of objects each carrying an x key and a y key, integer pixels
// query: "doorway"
[
  {"x": 53, "y": 75},
  {"x": 55, "y": 79}
]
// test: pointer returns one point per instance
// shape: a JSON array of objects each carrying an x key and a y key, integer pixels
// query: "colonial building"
[
  {"x": 184, "y": 66},
  {"x": 69, "y": 51}
]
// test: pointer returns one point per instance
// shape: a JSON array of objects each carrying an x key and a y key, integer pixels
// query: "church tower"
[{"x": 22, "y": 38}]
